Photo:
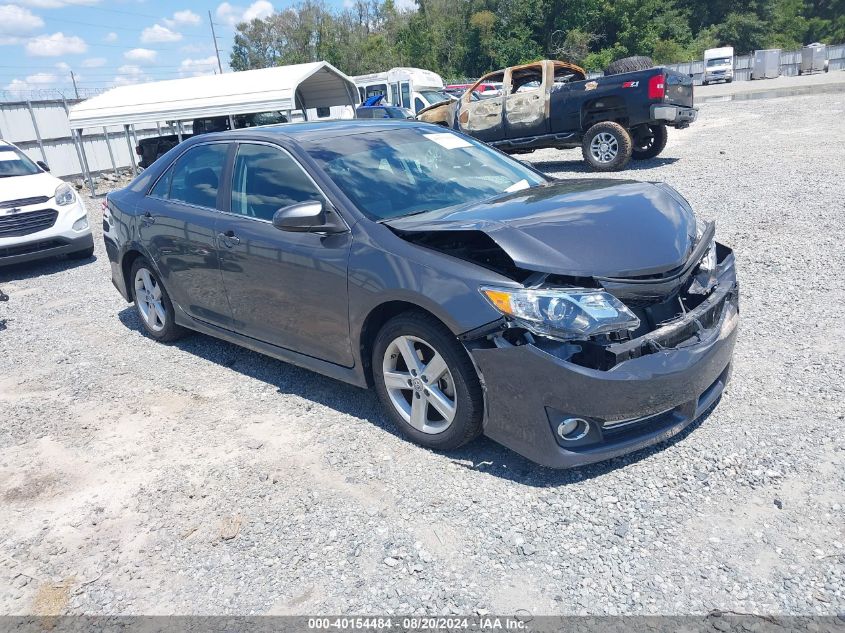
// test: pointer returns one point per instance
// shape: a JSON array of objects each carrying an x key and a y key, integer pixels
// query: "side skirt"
[{"x": 352, "y": 375}]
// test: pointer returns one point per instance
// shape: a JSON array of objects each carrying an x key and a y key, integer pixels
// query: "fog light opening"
[
  {"x": 573, "y": 429},
  {"x": 81, "y": 223}
]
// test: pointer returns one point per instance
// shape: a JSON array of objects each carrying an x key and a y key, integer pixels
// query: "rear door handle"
[{"x": 229, "y": 239}]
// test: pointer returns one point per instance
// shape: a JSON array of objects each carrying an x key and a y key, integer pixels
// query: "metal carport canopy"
[{"x": 318, "y": 85}]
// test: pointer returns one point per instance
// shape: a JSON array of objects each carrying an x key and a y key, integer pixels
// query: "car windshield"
[
  {"x": 435, "y": 96},
  {"x": 14, "y": 162},
  {"x": 718, "y": 61},
  {"x": 410, "y": 170}
]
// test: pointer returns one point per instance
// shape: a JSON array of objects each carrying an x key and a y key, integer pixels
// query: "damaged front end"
[{"x": 580, "y": 369}]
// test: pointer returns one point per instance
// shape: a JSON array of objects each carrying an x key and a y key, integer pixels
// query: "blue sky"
[{"x": 107, "y": 43}]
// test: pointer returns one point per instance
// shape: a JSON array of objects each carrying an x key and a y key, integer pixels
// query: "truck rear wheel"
[
  {"x": 607, "y": 146},
  {"x": 649, "y": 143}
]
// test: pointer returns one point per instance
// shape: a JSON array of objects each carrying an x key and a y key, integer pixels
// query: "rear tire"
[
  {"x": 651, "y": 144},
  {"x": 607, "y": 146},
  {"x": 152, "y": 303},
  {"x": 628, "y": 65},
  {"x": 442, "y": 411}
]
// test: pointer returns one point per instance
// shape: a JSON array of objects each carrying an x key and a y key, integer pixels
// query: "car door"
[
  {"x": 526, "y": 90},
  {"x": 285, "y": 288},
  {"x": 482, "y": 118},
  {"x": 176, "y": 225}
]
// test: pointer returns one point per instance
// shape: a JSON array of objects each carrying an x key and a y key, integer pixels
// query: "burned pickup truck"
[{"x": 552, "y": 104}]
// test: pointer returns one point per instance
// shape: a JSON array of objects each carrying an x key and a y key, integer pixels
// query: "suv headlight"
[
  {"x": 563, "y": 313},
  {"x": 64, "y": 195}
]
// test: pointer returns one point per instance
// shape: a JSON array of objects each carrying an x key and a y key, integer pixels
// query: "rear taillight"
[{"x": 657, "y": 87}]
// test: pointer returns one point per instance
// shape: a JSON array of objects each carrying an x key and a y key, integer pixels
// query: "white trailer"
[
  {"x": 412, "y": 88},
  {"x": 718, "y": 65},
  {"x": 766, "y": 64}
]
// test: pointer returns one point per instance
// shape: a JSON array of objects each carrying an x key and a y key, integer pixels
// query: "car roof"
[{"x": 314, "y": 131}]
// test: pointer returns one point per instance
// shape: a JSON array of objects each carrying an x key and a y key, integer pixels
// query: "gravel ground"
[{"x": 201, "y": 478}]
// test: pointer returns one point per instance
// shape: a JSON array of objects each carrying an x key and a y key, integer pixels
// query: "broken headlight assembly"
[
  {"x": 705, "y": 278},
  {"x": 563, "y": 313}
]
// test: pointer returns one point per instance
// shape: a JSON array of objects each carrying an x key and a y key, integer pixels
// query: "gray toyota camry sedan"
[{"x": 570, "y": 320}]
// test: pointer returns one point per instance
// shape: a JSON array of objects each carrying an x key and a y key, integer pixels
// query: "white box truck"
[{"x": 718, "y": 65}]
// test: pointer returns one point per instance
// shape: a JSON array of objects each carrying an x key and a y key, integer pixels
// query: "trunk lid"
[{"x": 679, "y": 89}]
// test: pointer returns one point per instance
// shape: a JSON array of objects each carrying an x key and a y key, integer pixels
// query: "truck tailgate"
[{"x": 679, "y": 89}]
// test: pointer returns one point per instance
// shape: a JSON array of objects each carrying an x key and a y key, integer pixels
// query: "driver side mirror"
[
  {"x": 42, "y": 165},
  {"x": 307, "y": 216}
]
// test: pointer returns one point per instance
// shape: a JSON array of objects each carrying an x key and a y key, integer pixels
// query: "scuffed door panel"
[
  {"x": 482, "y": 119},
  {"x": 526, "y": 113}
]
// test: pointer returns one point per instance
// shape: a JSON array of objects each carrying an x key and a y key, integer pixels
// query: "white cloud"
[
  {"x": 33, "y": 82},
  {"x": 111, "y": 37},
  {"x": 140, "y": 55},
  {"x": 94, "y": 62},
  {"x": 204, "y": 66},
  {"x": 231, "y": 14},
  {"x": 15, "y": 20},
  {"x": 63, "y": 66},
  {"x": 130, "y": 74},
  {"x": 183, "y": 18},
  {"x": 55, "y": 45},
  {"x": 158, "y": 33},
  {"x": 57, "y": 4}
]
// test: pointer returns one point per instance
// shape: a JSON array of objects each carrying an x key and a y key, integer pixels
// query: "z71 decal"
[{"x": 630, "y": 84}]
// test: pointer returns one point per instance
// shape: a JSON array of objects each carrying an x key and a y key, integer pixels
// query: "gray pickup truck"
[{"x": 549, "y": 103}]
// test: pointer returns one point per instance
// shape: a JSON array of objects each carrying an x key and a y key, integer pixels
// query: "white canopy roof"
[{"x": 314, "y": 85}]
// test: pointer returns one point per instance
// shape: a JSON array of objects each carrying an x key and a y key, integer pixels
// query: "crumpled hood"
[
  {"x": 584, "y": 228},
  {"x": 17, "y": 187}
]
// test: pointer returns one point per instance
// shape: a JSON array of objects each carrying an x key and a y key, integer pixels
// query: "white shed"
[{"x": 283, "y": 88}]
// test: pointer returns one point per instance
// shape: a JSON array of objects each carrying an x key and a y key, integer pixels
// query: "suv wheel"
[
  {"x": 152, "y": 303},
  {"x": 650, "y": 143},
  {"x": 607, "y": 146},
  {"x": 427, "y": 382}
]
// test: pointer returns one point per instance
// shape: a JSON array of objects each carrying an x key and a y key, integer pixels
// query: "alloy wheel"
[
  {"x": 419, "y": 384},
  {"x": 149, "y": 300},
  {"x": 604, "y": 147}
]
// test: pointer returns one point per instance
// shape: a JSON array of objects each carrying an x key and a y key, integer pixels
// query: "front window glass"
[
  {"x": 265, "y": 179},
  {"x": 14, "y": 162},
  {"x": 196, "y": 175},
  {"x": 412, "y": 170},
  {"x": 406, "y": 94},
  {"x": 719, "y": 61},
  {"x": 434, "y": 96},
  {"x": 377, "y": 89}
]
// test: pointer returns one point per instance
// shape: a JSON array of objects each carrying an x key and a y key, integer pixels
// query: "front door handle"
[
  {"x": 229, "y": 239},
  {"x": 147, "y": 218}
]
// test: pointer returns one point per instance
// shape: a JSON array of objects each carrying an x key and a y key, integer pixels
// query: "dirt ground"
[{"x": 201, "y": 478}]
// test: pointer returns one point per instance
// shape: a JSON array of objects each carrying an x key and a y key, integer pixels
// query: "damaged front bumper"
[{"x": 660, "y": 383}]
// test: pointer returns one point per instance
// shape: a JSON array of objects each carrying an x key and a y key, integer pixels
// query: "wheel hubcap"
[
  {"x": 148, "y": 300},
  {"x": 604, "y": 147},
  {"x": 419, "y": 384}
]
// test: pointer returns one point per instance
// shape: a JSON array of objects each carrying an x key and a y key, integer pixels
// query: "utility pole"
[
  {"x": 214, "y": 37},
  {"x": 73, "y": 79}
]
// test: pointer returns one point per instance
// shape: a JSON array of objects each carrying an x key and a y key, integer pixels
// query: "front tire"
[
  {"x": 152, "y": 303},
  {"x": 607, "y": 146},
  {"x": 650, "y": 144},
  {"x": 427, "y": 382}
]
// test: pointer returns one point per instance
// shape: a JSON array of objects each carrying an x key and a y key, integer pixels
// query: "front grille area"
[
  {"x": 32, "y": 247},
  {"x": 22, "y": 202},
  {"x": 27, "y": 223}
]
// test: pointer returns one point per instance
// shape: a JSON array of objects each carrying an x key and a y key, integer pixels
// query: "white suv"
[{"x": 40, "y": 216}]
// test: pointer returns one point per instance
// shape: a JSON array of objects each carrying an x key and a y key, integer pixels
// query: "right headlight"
[
  {"x": 563, "y": 313},
  {"x": 64, "y": 195}
]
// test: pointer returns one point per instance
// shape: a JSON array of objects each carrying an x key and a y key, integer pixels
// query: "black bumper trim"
[{"x": 43, "y": 249}]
